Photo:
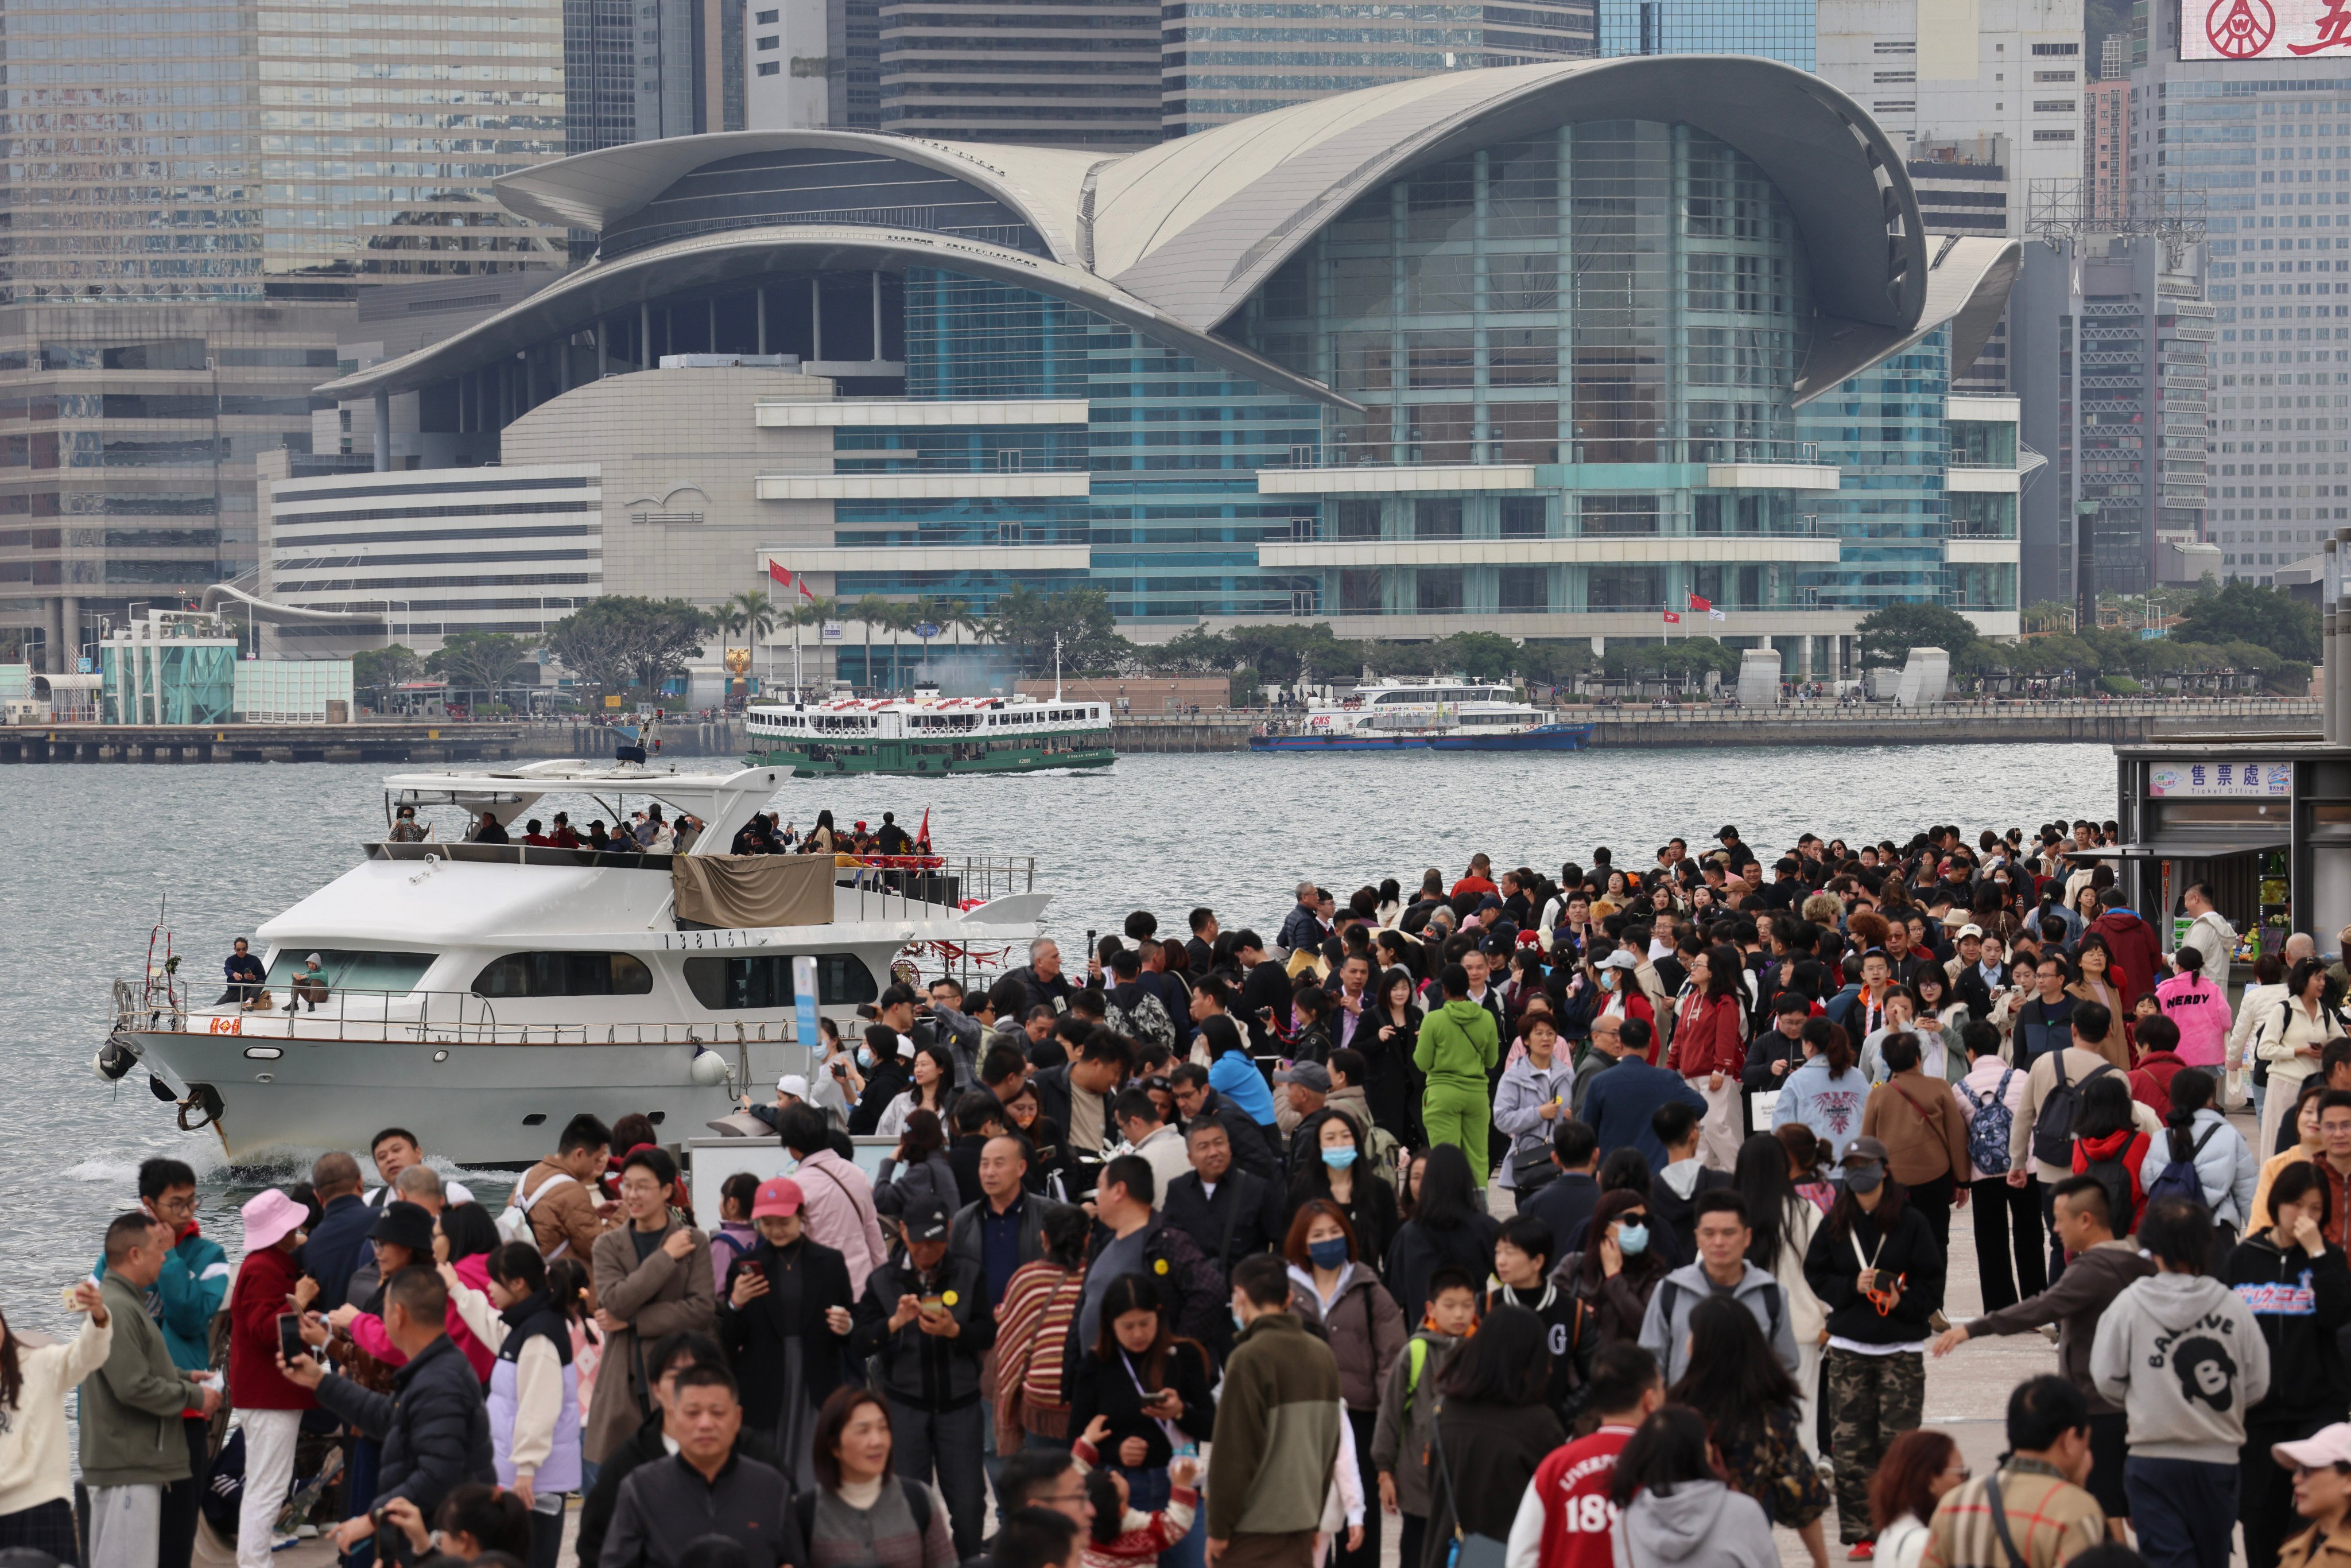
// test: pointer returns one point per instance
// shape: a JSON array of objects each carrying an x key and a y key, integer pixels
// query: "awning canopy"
[{"x": 2179, "y": 847}]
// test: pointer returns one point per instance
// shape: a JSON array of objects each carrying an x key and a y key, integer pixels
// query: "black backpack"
[{"x": 2052, "y": 1128}]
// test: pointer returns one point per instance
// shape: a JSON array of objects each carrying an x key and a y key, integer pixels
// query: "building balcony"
[
  {"x": 831, "y": 413},
  {"x": 936, "y": 484}
]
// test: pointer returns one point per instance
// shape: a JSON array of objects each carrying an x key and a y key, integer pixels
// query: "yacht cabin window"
[
  {"x": 735, "y": 985},
  {"x": 564, "y": 975},
  {"x": 351, "y": 969}
]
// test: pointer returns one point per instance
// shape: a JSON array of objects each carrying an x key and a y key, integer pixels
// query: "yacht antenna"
[{"x": 1057, "y": 666}]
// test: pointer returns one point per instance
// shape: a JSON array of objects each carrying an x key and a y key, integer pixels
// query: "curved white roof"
[{"x": 1173, "y": 239}]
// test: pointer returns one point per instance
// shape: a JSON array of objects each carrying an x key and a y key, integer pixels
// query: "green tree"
[
  {"x": 2241, "y": 611},
  {"x": 618, "y": 643},
  {"x": 381, "y": 669},
  {"x": 1890, "y": 631},
  {"x": 477, "y": 660},
  {"x": 1025, "y": 622},
  {"x": 2048, "y": 615}
]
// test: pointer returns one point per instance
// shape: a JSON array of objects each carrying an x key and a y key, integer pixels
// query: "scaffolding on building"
[{"x": 2062, "y": 209}]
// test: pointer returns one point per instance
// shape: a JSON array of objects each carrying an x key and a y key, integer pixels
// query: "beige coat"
[{"x": 656, "y": 1298}]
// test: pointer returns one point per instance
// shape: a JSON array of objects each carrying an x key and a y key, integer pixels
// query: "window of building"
[
  {"x": 1355, "y": 519},
  {"x": 1526, "y": 589},
  {"x": 1437, "y": 519},
  {"x": 770, "y": 42},
  {"x": 1625, "y": 588},
  {"x": 770, "y": 67},
  {"x": 1362, "y": 591},
  {"x": 1437, "y": 589},
  {"x": 1525, "y": 516}
]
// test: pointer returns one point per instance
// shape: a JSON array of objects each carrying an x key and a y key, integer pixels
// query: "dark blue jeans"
[{"x": 2184, "y": 1512}]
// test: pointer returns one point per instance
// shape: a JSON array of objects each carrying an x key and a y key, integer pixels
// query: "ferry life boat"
[
  {"x": 1424, "y": 715},
  {"x": 930, "y": 735},
  {"x": 485, "y": 994}
]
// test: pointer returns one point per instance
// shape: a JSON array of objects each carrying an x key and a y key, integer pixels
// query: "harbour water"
[{"x": 98, "y": 849}]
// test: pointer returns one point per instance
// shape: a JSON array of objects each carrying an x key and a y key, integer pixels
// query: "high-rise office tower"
[
  {"x": 1042, "y": 73},
  {"x": 2252, "y": 134},
  {"x": 1780, "y": 30},
  {"x": 2106, "y": 149},
  {"x": 194, "y": 193},
  {"x": 635, "y": 71},
  {"x": 1937, "y": 71},
  {"x": 1223, "y": 60}
]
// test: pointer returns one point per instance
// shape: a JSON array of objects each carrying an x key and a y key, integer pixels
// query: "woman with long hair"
[
  {"x": 1827, "y": 1092},
  {"x": 917, "y": 1169},
  {"x": 1675, "y": 1510},
  {"x": 1782, "y": 1222},
  {"x": 866, "y": 1515},
  {"x": 1939, "y": 1019},
  {"x": 1341, "y": 1176},
  {"x": 2109, "y": 1143},
  {"x": 1708, "y": 1051},
  {"x": 35, "y": 1451},
  {"x": 2097, "y": 979},
  {"x": 1919, "y": 1468},
  {"x": 2248, "y": 1074},
  {"x": 932, "y": 1089},
  {"x": 1807, "y": 1165},
  {"x": 2300, "y": 1293},
  {"x": 1619, "y": 1268},
  {"x": 1154, "y": 1388},
  {"x": 1032, "y": 1334},
  {"x": 1025, "y": 1113},
  {"x": 1448, "y": 1226},
  {"x": 1493, "y": 1428},
  {"x": 887, "y": 1076},
  {"x": 2306, "y": 1146},
  {"x": 1874, "y": 1264},
  {"x": 1386, "y": 1035},
  {"x": 1332, "y": 1287},
  {"x": 1749, "y": 1403},
  {"x": 2290, "y": 1038}
]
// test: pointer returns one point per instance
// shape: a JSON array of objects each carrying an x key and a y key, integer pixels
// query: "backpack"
[
  {"x": 1669, "y": 1296},
  {"x": 1989, "y": 1122},
  {"x": 918, "y": 1503},
  {"x": 514, "y": 1220},
  {"x": 2115, "y": 1175},
  {"x": 1146, "y": 1021},
  {"x": 2179, "y": 1178},
  {"x": 2052, "y": 1130}
]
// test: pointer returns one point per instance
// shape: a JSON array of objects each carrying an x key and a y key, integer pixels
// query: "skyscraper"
[
  {"x": 1779, "y": 30},
  {"x": 634, "y": 70},
  {"x": 1043, "y": 73}
]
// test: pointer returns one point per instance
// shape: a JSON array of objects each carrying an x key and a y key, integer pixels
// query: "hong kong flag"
[{"x": 1673, "y": 617}]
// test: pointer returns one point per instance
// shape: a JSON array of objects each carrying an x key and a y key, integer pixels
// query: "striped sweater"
[{"x": 1032, "y": 1333}]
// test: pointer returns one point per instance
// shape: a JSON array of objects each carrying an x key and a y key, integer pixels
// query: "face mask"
[
  {"x": 1865, "y": 1178},
  {"x": 1339, "y": 1158},
  {"x": 864, "y": 1057},
  {"x": 1239, "y": 1322},
  {"x": 1633, "y": 1239},
  {"x": 1328, "y": 1254},
  {"x": 1607, "y": 979}
]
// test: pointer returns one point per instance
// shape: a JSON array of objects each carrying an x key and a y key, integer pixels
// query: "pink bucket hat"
[{"x": 270, "y": 1218}]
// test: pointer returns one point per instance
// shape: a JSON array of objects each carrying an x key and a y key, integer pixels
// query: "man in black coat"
[
  {"x": 708, "y": 1487},
  {"x": 1041, "y": 979},
  {"x": 1005, "y": 1227},
  {"x": 925, "y": 1323},
  {"x": 1196, "y": 1102},
  {"x": 1227, "y": 1212},
  {"x": 669, "y": 1358},
  {"x": 339, "y": 1239},
  {"x": 433, "y": 1429},
  {"x": 755, "y": 1320},
  {"x": 1566, "y": 1201},
  {"x": 1076, "y": 1096}
]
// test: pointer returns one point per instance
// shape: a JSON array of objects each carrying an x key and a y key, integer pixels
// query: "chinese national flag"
[
  {"x": 1673, "y": 617},
  {"x": 785, "y": 578},
  {"x": 1696, "y": 603}
]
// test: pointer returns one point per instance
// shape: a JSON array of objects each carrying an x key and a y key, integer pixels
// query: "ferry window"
[
  {"x": 731, "y": 985},
  {"x": 564, "y": 975},
  {"x": 352, "y": 969}
]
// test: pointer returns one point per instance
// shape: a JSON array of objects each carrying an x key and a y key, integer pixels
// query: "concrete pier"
[{"x": 391, "y": 742}]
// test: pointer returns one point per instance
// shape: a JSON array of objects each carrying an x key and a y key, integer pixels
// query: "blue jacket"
[
  {"x": 1831, "y": 1107},
  {"x": 1623, "y": 1097},
  {"x": 336, "y": 1246},
  {"x": 1235, "y": 1076},
  {"x": 190, "y": 1289}
]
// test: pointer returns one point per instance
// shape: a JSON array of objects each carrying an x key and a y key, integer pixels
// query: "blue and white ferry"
[{"x": 1423, "y": 716}]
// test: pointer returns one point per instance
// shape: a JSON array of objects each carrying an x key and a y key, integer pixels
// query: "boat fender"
[
  {"x": 709, "y": 1069},
  {"x": 116, "y": 1058},
  {"x": 160, "y": 1089}
]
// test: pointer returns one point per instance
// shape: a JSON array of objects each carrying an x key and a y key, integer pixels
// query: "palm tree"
[
  {"x": 929, "y": 610},
  {"x": 811, "y": 611},
  {"x": 960, "y": 620},
  {"x": 872, "y": 610},
  {"x": 755, "y": 613}
]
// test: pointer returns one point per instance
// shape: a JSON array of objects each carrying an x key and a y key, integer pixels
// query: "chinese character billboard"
[
  {"x": 2265, "y": 29},
  {"x": 2215, "y": 779}
]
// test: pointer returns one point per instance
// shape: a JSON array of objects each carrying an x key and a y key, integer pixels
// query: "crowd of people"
[{"x": 1602, "y": 1218}]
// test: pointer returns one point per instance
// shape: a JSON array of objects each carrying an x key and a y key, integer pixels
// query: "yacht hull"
[
  {"x": 1547, "y": 738},
  {"x": 480, "y": 1103}
]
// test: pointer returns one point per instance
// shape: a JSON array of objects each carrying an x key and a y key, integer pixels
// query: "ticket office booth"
[{"x": 2267, "y": 824}]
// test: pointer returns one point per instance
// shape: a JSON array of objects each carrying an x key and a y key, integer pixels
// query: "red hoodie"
[
  {"x": 2150, "y": 1080},
  {"x": 2130, "y": 1146},
  {"x": 2137, "y": 952}
]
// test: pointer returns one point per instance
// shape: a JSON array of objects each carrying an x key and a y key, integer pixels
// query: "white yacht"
[
  {"x": 482, "y": 994},
  {"x": 1424, "y": 715}
]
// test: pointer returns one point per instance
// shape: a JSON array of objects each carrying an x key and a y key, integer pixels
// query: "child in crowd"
[
  {"x": 1124, "y": 1537},
  {"x": 1408, "y": 1420}
]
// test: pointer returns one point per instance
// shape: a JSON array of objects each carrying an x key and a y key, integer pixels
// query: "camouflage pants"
[{"x": 1873, "y": 1399}]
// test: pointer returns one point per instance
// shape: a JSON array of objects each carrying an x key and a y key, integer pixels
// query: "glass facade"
[
  {"x": 2263, "y": 155},
  {"x": 216, "y": 153},
  {"x": 1222, "y": 60},
  {"x": 1782, "y": 30},
  {"x": 1038, "y": 74},
  {"x": 1886, "y": 429}
]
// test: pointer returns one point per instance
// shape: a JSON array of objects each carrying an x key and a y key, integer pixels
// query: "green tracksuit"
[{"x": 1456, "y": 1050}]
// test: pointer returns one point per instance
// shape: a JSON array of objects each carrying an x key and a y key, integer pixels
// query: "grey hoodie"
[
  {"x": 1703, "y": 1523},
  {"x": 2183, "y": 1357},
  {"x": 1665, "y": 1330}
]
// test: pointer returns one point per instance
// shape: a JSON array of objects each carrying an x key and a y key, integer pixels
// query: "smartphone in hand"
[{"x": 290, "y": 1336}]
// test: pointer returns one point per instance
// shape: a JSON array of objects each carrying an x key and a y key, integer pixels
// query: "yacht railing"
[
  {"x": 519, "y": 854},
  {"x": 913, "y": 886},
  {"x": 429, "y": 1017}
]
